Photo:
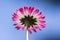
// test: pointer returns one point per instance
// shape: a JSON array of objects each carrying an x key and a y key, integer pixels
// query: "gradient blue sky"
[{"x": 51, "y": 11}]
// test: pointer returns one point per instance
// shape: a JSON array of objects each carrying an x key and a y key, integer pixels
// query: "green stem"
[{"x": 26, "y": 34}]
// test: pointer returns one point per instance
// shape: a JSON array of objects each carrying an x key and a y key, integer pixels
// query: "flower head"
[{"x": 29, "y": 19}]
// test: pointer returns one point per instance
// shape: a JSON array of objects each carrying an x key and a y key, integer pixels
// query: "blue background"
[{"x": 50, "y": 10}]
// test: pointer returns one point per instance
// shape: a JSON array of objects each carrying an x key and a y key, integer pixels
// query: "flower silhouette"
[{"x": 28, "y": 18}]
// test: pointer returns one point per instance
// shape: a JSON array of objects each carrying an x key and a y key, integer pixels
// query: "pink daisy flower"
[{"x": 29, "y": 19}]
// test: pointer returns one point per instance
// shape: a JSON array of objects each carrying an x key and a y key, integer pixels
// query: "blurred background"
[{"x": 50, "y": 9}]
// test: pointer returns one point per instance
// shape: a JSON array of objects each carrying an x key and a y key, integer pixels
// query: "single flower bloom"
[{"x": 29, "y": 19}]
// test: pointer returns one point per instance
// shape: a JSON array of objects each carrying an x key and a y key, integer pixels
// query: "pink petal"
[
  {"x": 23, "y": 28},
  {"x": 37, "y": 27},
  {"x": 29, "y": 30},
  {"x": 14, "y": 18},
  {"x": 36, "y": 11},
  {"x": 17, "y": 27},
  {"x": 14, "y": 24},
  {"x": 40, "y": 13},
  {"x": 15, "y": 15},
  {"x": 41, "y": 21},
  {"x": 25, "y": 8},
  {"x": 41, "y": 17},
  {"x": 21, "y": 10},
  {"x": 34, "y": 29},
  {"x": 31, "y": 9},
  {"x": 43, "y": 25}
]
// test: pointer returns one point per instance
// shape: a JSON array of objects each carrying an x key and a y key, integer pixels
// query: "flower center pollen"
[{"x": 28, "y": 21}]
